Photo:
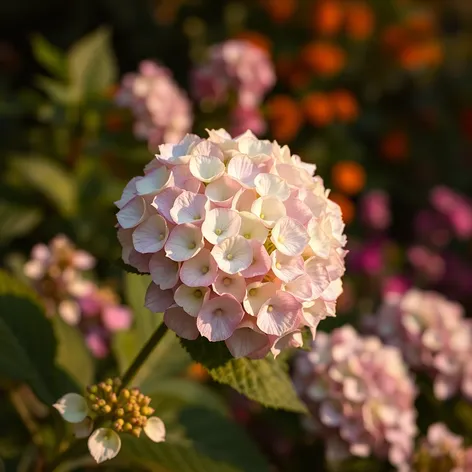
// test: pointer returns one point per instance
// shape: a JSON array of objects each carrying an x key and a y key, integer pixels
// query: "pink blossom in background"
[
  {"x": 241, "y": 241},
  {"x": 428, "y": 263},
  {"x": 368, "y": 257},
  {"x": 433, "y": 336},
  {"x": 162, "y": 111},
  {"x": 250, "y": 118},
  {"x": 395, "y": 285},
  {"x": 375, "y": 210},
  {"x": 456, "y": 207},
  {"x": 442, "y": 451},
  {"x": 360, "y": 395},
  {"x": 237, "y": 66},
  {"x": 432, "y": 227}
]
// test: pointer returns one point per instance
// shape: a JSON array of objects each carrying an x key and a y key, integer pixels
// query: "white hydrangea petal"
[
  {"x": 233, "y": 284},
  {"x": 189, "y": 207},
  {"x": 104, "y": 444},
  {"x": 155, "y": 181},
  {"x": 261, "y": 261},
  {"x": 208, "y": 149},
  {"x": 289, "y": 340},
  {"x": 72, "y": 407},
  {"x": 244, "y": 199},
  {"x": 185, "y": 180},
  {"x": 191, "y": 299},
  {"x": 222, "y": 191},
  {"x": 201, "y": 270},
  {"x": 206, "y": 168},
  {"x": 150, "y": 235},
  {"x": 129, "y": 192},
  {"x": 289, "y": 236},
  {"x": 298, "y": 210},
  {"x": 252, "y": 227},
  {"x": 301, "y": 288},
  {"x": 164, "y": 271},
  {"x": 155, "y": 429},
  {"x": 184, "y": 242},
  {"x": 287, "y": 268},
  {"x": 181, "y": 323},
  {"x": 246, "y": 341},
  {"x": 295, "y": 176},
  {"x": 164, "y": 201},
  {"x": 333, "y": 291},
  {"x": 272, "y": 185},
  {"x": 243, "y": 169},
  {"x": 233, "y": 254},
  {"x": 257, "y": 294},
  {"x": 269, "y": 210},
  {"x": 221, "y": 224},
  {"x": 132, "y": 213},
  {"x": 157, "y": 300},
  {"x": 319, "y": 275},
  {"x": 280, "y": 314}
]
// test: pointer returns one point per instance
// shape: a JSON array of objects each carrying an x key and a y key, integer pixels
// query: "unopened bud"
[
  {"x": 127, "y": 427},
  {"x": 92, "y": 388},
  {"x": 109, "y": 382},
  {"x": 101, "y": 402},
  {"x": 120, "y": 412},
  {"x": 135, "y": 392},
  {"x": 95, "y": 407},
  {"x": 136, "y": 431},
  {"x": 117, "y": 381},
  {"x": 113, "y": 398},
  {"x": 106, "y": 409},
  {"x": 102, "y": 385},
  {"x": 92, "y": 397},
  {"x": 125, "y": 393}
]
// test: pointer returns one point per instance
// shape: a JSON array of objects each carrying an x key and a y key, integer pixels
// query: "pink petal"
[
  {"x": 164, "y": 201},
  {"x": 234, "y": 285},
  {"x": 117, "y": 317},
  {"x": 132, "y": 213},
  {"x": 158, "y": 300},
  {"x": 200, "y": 271},
  {"x": 261, "y": 261},
  {"x": 246, "y": 342},
  {"x": 151, "y": 235},
  {"x": 183, "y": 324},
  {"x": 164, "y": 271}
]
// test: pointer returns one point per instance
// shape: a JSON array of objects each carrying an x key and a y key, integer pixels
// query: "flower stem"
[{"x": 143, "y": 355}]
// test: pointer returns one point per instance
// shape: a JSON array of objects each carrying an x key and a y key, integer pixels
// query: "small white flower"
[
  {"x": 72, "y": 407},
  {"x": 104, "y": 444}
]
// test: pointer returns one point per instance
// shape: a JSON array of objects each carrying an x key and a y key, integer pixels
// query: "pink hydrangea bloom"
[
  {"x": 442, "y": 451},
  {"x": 456, "y": 207},
  {"x": 433, "y": 336},
  {"x": 375, "y": 210},
  {"x": 162, "y": 111},
  {"x": 360, "y": 396},
  {"x": 57, "y": 273},
  {"x": 237, "y": 66},
  {"x": 241, "y": 241}
]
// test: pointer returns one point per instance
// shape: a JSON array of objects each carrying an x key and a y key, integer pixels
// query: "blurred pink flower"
[
  {"x": 237, "y": 66},
  {"x": 433, "y": 336},
  {"x": 426, "y": 262},
  {"x": 375, "y": 210},
  {"x": 360, "y": 395},
  {"x": 442, "y": 451},
  {"x": 161, "y": 110},
  {"x": 244, "y": 118}
]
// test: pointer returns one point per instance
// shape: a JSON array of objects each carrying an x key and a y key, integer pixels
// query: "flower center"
[
  {"x": 198, "y": 294},
  {"x": 227, "y": 281},
  {"x": 161, "y": 236},
  {"x": 205, "y": 269},
  {"x": 229, "y": 257},
  {"x": 192, "y": 245},
  {"x": 218, "y": 231},
  {"x": 262, "y": 216},
  {"x": 247, "y": 235},
  {"x": 278, "y": 265},
  {"x": 197, "y": 217},
  {"x": 253, "y": 292},
  {"x": 270, "y": 308},
  {"x": 218, "y": 312}
]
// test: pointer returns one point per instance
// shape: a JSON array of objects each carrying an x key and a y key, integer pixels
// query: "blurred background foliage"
[{"x": 379, "y": 99}]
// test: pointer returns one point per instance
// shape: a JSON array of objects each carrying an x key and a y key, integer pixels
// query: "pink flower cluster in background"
[
  {"x": 375, "y": 210},
  {"x": 442, "y": 451},
  {"x": 240, "y": 68},
  {"x": 360, "y": 395},
  {"x": 240, "y": 239},
  {"x": 433, "y": 336},
  {"x": 162, "y": 111},
  {"x": 57, "y": 272}
]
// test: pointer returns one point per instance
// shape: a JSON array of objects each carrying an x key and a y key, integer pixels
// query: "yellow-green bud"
[
  {"x": 125, "y": 393},
  {"x": 101, "y": 402},
  {"x": 92, "y": 389},
  {"x": 106, "y": 409},
  {"x": 127, "y": 427},
  {"x": 120, "y": 412},
  {"x": 136, "y": 431},
  {"x": 95, "y": 407},
  {"x": 92, "y": 397},
  {"x": 109, "y": 382}
]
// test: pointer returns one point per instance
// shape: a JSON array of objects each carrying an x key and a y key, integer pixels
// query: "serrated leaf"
[
  {"x": 91, "y": 65},
  {"x": 264, "y": 381},
  {"x": 49, "y": 178},
  {"x": 221, "y": 439},
  {"x": 72, "y": 353},
  {"x": 49, "y": 56},
  {"x": 17, "y": 220},
  {"x": 27, "y": 333},
  {"x": 166, "y": 457}
]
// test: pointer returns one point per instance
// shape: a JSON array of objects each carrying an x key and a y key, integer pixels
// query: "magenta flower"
[
  {"x": 433, "y": 336},
  {"x": 360, "y": 396},
  {"x": 162, "y": 111},
  {"x": 241, "y": 241},
  {"x": 375, "y": 210}
]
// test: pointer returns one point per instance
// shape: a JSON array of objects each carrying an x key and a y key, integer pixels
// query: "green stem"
[
  {"x": 128, "y": 376},
  {"x": 147, "y": 349}
]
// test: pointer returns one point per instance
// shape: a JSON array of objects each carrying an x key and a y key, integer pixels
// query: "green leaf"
[
  {"x": 264, "y": 381},
  {"x": 166, "y": 359},
  {"x": 91, "y": 65},
  {"x": 72, "y": 353},
  {"x": 27, "y": 345},
  {"x": 50, "y": 179},
  {"x": 49, "y": 56},
  {"x": 221, "y": 439},
  {"x": 16, "y": 220},
  {"x": 166, "y": 457},
  {"x": 57, "y": 91}
]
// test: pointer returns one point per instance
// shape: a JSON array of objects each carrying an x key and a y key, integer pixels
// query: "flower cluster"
[
  {"x": 57, "y": 272},
  {"x": 433, "y": 336},
  {"x": 161, "y": 110},
  {"x": 239, "y": 67},
  {"x": 240, "y": 239},
  {"x": 442, "y": 451},
  {"x": 360, "y": 396},
  {"x": 127, "y": 411}
]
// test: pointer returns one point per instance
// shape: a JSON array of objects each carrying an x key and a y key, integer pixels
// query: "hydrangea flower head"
[
  {"x": 240, "y": 238},
  {"x": 360, "y": 396},
  {"x": 442, "y": 451},
  {"x": 126, "y": 411},
  {"x": 433, "y": 336},
  {"x": 162, "y": 111}
]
